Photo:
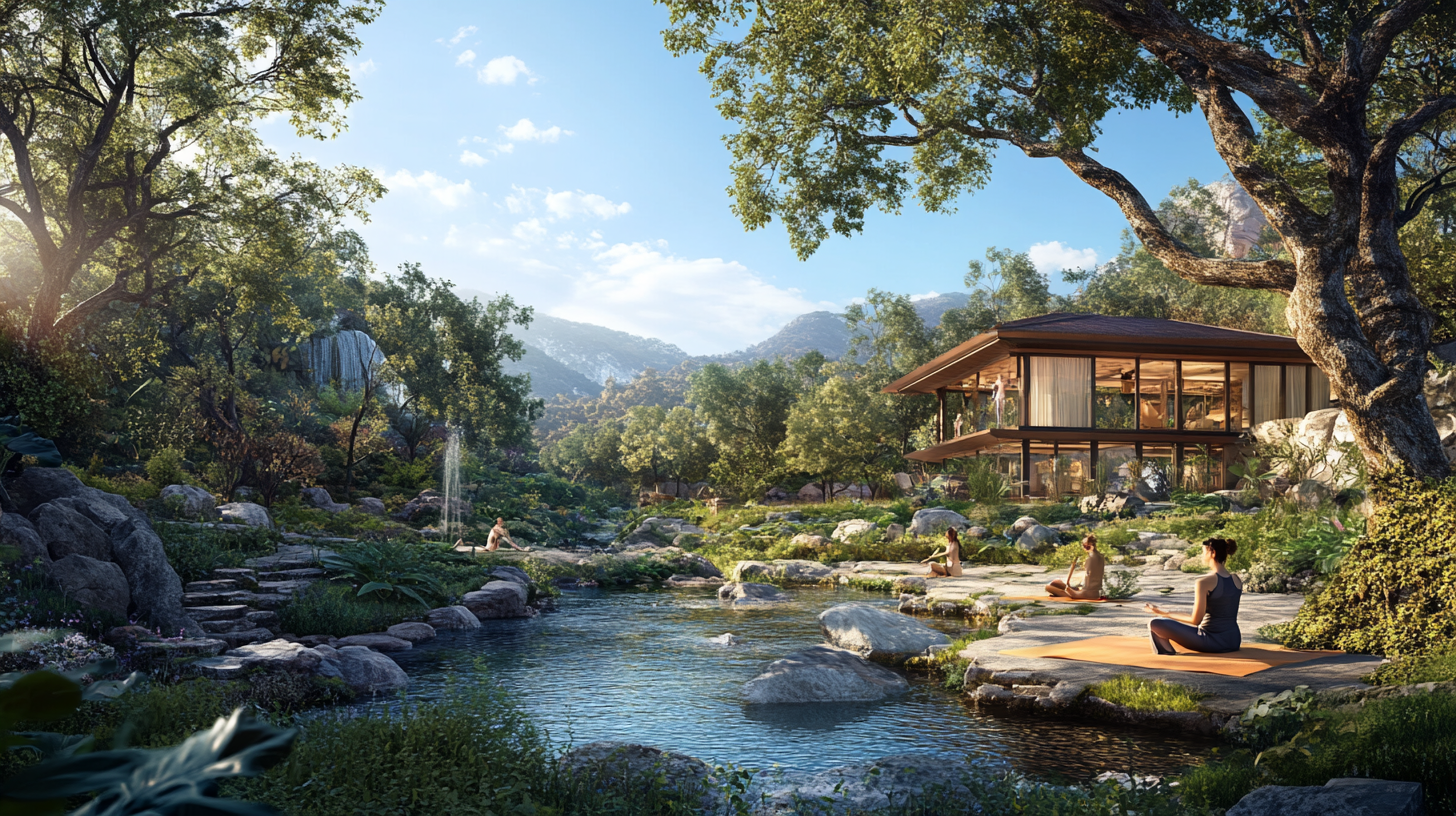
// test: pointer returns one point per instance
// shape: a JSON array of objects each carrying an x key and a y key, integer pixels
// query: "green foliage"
[
  {"x": 1275, "y": 632},
  {"x": 747, "y": 412},
  {"x": 1407, "y": 739},
  {"x": 1142, "y": 694},
  {"x": 656, "y": 443},
  {"x": 1062, "y": 556},
  {"x": 1391, "y": 594},
  {"x": 1121, "y": 584},
  {"x": 840, "y": 431},
  {"x": 1437, "y": 667},
  {"x": 195, "y": 552},
  {"x": 165, "y": 468},
  {"x": 326, "y": 608},
  {"x": 387, "y": 570}
]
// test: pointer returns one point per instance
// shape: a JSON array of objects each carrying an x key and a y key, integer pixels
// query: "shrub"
[
  {"x": 388, "y": 569},
  {"x": 165, "y": 468},
  {"x": 1439, "y": 667},
  {"x": 195, "y": 552},
  {"x": 326, "y": 608},
  {"x": 1121, "y": 584},
  {"x": 1391, "y": 594},
  {"x": 1142, "y": 694}
]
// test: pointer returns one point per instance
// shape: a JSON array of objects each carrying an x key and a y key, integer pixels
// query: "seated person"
[
  {"x": 498, "y": 533},
  {"x": 1091, "y": 588},
  {"x": 1214, "y": 626},
  {"x": 952, "y": 553}
]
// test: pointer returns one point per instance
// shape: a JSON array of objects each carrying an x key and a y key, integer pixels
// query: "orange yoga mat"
[
  {"x": 1055, "y": 599},
  {"x": 1116, "y": 650}
]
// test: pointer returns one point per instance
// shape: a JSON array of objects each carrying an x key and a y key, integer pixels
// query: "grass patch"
[
  {"x": 1062, "y": 609},
  {"x": 194, "y": 552},
  {"x": 327, "y": 608},
  {"x": 1141, "y": 694}
]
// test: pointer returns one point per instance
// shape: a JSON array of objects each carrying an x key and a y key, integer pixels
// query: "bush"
[
  {"x": 1391, "y": 594},
  {"x": 1121, "y": 584},
  {"x": 326, "y": 608},
  {"x": 1141, "y": 694},
  {"x": 165, "y": 468},
  {"x": 1439, "y": 667},
  {"x": 194, "y": 552}
]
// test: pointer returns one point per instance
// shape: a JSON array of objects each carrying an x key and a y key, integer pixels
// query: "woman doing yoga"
[{"x": 1214, "y": 625}]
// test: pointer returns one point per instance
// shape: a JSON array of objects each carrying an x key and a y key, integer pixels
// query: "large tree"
[
  {"x": 1347, "y": 143},
  {"x": 129, "y": 158}
]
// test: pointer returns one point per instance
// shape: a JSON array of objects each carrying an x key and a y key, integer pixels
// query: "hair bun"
[{"x": 1222, "y": 548}]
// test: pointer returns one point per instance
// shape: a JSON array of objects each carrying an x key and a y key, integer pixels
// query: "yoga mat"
[
  {"x": 1055, "y": 599},
  {"x": 1116, "y": 650}
]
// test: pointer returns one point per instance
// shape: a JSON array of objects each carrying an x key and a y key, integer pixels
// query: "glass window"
[
  {"x": 1202, "y": 468},
  {"x": 1113, "y": 401},
  {"x": 1074, "y": 470},
  {"x": 1203, "y": 404},
  {"x": 999, "y": 396},
  {"x": 1295, "y": 379},
  {"x": 1156, "y": 473},
  {"x": 1061, "y": 392},
  {"x": 1319, "y": 389},
  {"x": 1266, "y": 393},
  {"x": 1043, "y": 477},
  {"x": 1008, "y": 464},
  {"x": 1117, "y": 468},
  {"x": 1155, "y": 399},
  {"x": 1239, "y": 396}
]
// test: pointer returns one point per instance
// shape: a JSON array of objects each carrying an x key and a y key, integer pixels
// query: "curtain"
[
  {"x": 1061, "y": 392},
  {"x": 1319, "y": 389},
  {"x": 1266, "y": 393},
  {"x": 1294, "y": 391}
]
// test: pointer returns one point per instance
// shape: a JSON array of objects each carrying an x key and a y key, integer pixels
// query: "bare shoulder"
[{"x": 1206, "y": 581}]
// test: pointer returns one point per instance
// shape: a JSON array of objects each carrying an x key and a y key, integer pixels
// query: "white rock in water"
[
  {"x": 877, "y": 634},
  {"x": 726, "y": 639},
  {"x": 823, "y": 674}
]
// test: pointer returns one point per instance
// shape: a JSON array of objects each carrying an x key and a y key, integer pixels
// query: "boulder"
[
  {"x": 195, "y": 503},
  {"x": 370, "y": 506},
  {"x": 692, "y": 582},
  {"x": 1309, "y": 494},
  {"x": 742, "y": 594},
  {"x": 253, "y": 515},
  {"x": 36, "y": 486},
  {"x": 369, "y": 672},
  {"x": 894, "y": 532},
  {"x": 1020, "y": 526},
  {"x": 978, "y": 532},
  {"x": 156, "y": 590},
  {"x": 1337, "y": 797},
  {"x": 320, "y": 498},
  {"x": 17, "y": 532},
  {"x": 929, "y": 521},
  {"x": 272, "y": 656},
  {"x": 426, "y": 501},
  {"x": 498, "y": 599},
  {"x": 1038, "y": 536},
  {"x": 624, "y": 765},
  {"x": 852, "y": 527},
  {"x": 452, "y": 617},
  {"x": 690, "y": 564},
  {"x": 823, "y": 674},
  {"x": 748, "y": 570},
  {"x": 379, "y": 642},
  {"x": 880, "y": 635},
  {"x": 797, "y": 571},
  {"x": 100, "y": 585},
  {"x": 513, "y": 574},
  {"x": 810, "y": 540},
  {"x": 914, "y": 783},
  {"x": 914, "y": 584},
  {"x": 811, "y": 493},
  {"x": 66, "y": 532},
  {"x": 106, "y": 510}
]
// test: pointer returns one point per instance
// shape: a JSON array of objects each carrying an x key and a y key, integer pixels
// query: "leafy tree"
[
  {"x": 657, "y": 443},
  {"x": 643, "y": 453},
  {"x": 745, "y": 410},
  {"x": 888, "y": 340},
  {"x": 841, "y": 429},
  {"x": 128, "y": 127},
  {"x": 1350, "y": 140},
  {"x": 449, "y": 355}
]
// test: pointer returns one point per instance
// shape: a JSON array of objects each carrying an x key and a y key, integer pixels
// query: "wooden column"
[
  {"x": 1025, "y": 468},
  {"x": 1178, "y": 394},
  {"x": 940, "y": 414},
  {"x": 1137, "y": 394},
  {"x": 1228, "y": 397}
]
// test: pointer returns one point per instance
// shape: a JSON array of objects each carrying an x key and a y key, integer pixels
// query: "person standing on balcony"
[{"x": 998, "y": 395}]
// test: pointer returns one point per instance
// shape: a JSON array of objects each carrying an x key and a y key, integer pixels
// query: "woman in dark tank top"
[{"x": 1214, "y": 625}]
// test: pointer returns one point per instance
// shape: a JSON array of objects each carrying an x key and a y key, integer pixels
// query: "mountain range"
[{"x": 572, "y": 358}]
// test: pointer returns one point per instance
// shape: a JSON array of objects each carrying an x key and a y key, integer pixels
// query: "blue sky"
[{"x": 555, "y": 151}]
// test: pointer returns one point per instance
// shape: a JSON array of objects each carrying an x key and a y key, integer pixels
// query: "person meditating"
[
  {"x": 498, "y": 533},
  {"x": 952, "y": 553},
  {"x": 1214, "y": 626},
  {"x": 1091, "y": 588}
]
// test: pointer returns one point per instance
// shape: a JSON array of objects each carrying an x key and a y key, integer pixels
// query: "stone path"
[
  {"x": 1229, "y": 694},
  {"x": 239, "y": 605}
]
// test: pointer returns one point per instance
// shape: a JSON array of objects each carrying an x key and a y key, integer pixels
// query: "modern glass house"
[{"x": 1074, "y": 404}]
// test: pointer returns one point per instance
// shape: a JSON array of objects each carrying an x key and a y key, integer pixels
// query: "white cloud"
[
  {"x": 1051, "y": 257},
  {"x": 927, "y": 296},
  {"x": 465, "y": 31},
  {"x": 530, "y": 230},
  {"x": 467, "y": 57},
  {"x": 526, "y": 131},
  {"x": 362, "y": 68},
  {"x": 441, "y": 189},
  {"x": 472, "y": 159},
  {"x": 705, "y": 305},
  {"x": 568, "y": 204},
  {"x": 503, "y": 71}
]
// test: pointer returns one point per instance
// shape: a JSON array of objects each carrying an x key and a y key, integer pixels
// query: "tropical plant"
[
  {"x": 17, "y": 440},
  {"x": 385, "y": 570}
]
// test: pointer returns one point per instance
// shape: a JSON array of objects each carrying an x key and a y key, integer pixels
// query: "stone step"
[
  {"x": 218, "y": 613},
  {"x": 260, "y": 600},
  {"x": 244, "y": 637},
  {"x": 244, "y": 577},
  {"x": 208, "y": 598},
  {"x": 291, "y": 574},
  {"x": 219, "y": 627},
  {"x": 149, "y": 652},
  {"x": 216, "y": 585},
  {"x": 282, "y": 587},
  {"x": 265, "y": 619}
]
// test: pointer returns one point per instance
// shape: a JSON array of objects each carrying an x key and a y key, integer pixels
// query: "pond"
[{"x": 637, "y": 666}]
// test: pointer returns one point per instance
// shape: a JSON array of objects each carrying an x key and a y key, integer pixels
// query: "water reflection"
[{"x": 640, "y": 666}]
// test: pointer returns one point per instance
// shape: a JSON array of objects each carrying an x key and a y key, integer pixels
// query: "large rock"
[
  {"x": 930, "y": 521},
  {"x": 253, "y": 515},
  {"x": 195, "y": 503},
  {"x": 370, "y": 506},
  {"x": 369, "y": 672},
  {"x": 17, "y": 532},
  {"x": 623, "y": 765},
  {"x": 36, "y": 486},
  {"x": 452, "y": 617},
  {"x": 1038, "y": 536},
  {"x": 278, "y": 655},
  {"x": 895, "y": 784},
  {"x": 792, "y": 570},
  {"x": 426, "y": 501},
  {"x": 155, "y": 588},
  {"x": 378, "y": 642},
  {"x": 66, "y": 532},
  {"x": 412, "y": 631},
  {"x": 93, "y": 583},
  {"x": 882, "y": 636},
  {"x": 1020, "y": 526},
  {"x": 823, "y": 674},
  {"x": 1309, "y": 494},
  {"x": 320, "y": 498},
  {"x": 515, "y": 575},
  {"x": 743, "y": 594},
  {"x": 818, "y": 542},
  {"x": 1337, "y": 797},
  {"x": 852, "y": 527},
  {"x": 498, "y": 599}
]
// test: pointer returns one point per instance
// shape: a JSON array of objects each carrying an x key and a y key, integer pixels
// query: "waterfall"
[
  {"x": 452, "y": 511},
  {"x": 347, "y": 357}
]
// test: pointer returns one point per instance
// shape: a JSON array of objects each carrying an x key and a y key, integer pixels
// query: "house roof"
[{"x": 1082, "y": 334}]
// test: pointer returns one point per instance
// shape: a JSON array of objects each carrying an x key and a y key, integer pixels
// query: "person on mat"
[
  {"x": 1091, "y": 588},
  {"x": 498, "y": 533},
  {"x": 952, "y": 553},
  {"x": 1214, "y": 626}
]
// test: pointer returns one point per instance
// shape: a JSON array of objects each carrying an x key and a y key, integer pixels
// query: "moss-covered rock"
[{"x": 1395, "y": 591}]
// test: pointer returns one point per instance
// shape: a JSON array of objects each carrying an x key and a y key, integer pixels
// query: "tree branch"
[{"x": 117, "y": 292}]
